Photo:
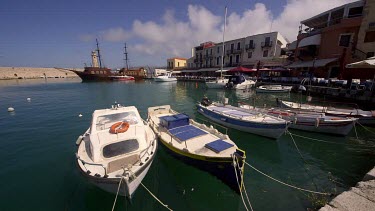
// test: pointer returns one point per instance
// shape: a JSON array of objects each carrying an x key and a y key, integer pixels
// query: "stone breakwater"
[{"x": 35, "y": 72}]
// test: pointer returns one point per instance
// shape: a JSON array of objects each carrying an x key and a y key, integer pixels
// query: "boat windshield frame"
[{"x": 104, "y": 122}]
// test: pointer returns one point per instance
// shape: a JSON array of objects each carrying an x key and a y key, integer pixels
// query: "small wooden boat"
[
  {"x": 310, "y": 121},
  {"x": 118, "y": 146},
  {"x": 198, "y": 145},
  {"x": 273, "y": 89},
  {"x": 364, "y": 117},
  {"x": 243, "y": 119}
]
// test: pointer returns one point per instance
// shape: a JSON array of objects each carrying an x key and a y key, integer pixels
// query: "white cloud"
[{"x": 173, "y": 37}]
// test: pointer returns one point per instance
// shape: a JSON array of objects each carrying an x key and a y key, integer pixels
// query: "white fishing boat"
[
  {"x": 243, "y": 119},
  {"x": 273, "y": 89},
  {"x": 218, "y": 83},
  {"x": 167, "y": 77},
  {"x": 118, "y": 146},
  {"x": 239, "y": 82},
  {"x": 364, "y": 117},
  {"x": 199, "y": 145},
  {"x": 310, "y": 121}
]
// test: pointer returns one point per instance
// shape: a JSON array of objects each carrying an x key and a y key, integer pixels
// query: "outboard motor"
[{"x": 205, "y": 101}]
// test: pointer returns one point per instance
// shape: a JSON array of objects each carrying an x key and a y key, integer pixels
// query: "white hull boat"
[
  {"x": 310, "y": 121},
  {"x": 239, "y": 82},
  {"x": 199, "y": 145},
  {"x": 217, "y": 84},
  {"x": 118, "y": 146},
  {"x": 244, "y": 119},
  {"x": 364, "y": 117},
  {"x": 273, "y": 89},
  {"x": 165, "y": 78}
]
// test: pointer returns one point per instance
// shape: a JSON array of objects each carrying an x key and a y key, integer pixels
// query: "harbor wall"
[
  {"x": 358, "y": 198},
  {"x": 35, "y": 72}
]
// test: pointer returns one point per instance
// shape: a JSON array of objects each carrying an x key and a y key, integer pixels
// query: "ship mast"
[
  {"x": 126, "y": 57},
  {"x": 97, "y": 49},
  {"x": 222, "y": 53}
]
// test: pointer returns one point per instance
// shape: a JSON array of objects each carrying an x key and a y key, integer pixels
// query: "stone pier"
[{"x": 34, "y": 72}]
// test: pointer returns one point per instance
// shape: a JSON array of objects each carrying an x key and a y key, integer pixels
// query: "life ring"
[{"x": 119, "y": 127}]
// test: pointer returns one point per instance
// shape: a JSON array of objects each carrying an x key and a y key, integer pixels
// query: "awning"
[
  {"x": 224, "y": 70},
  {"x": 189, "y": 71},
  {"x": 208, "y": 69},
  {"x": 312, "y": 40},
  {"x": 292, "y": 46},
  {"x": 242, "y": 69},
  {"x": 368, "y": 63},
  {"x": 312, "y": 63}
]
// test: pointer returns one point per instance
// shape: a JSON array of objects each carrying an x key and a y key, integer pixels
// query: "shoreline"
[{"x": 11, "y": 73}]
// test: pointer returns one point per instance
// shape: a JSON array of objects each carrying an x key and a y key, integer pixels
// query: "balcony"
[
  {"x": 234, "y": 51},
  {"x": 208, "y": 56},
  {"x": 250, "y": 46},
  {"x": 266, "y": 44}
]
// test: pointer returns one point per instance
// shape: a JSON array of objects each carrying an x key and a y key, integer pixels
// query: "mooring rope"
[
  {"x": 366, "y": 128},
  {"x": 118, "y": 190},
  {"x": 239, "y": 187},
  {"x": 355, "y": 130},
  {"x": 165, "y": 205},
  {"x": 292, "y": 186},
  {"x": 244, "y": 187},
  {"x": 329, "y": 142}
]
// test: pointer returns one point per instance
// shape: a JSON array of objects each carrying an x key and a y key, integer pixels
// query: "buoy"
[
  {"x": 28, "y": 99},
  {"x": 10, "y": 109},
  {"x": 80, "y": 115},
  {"x": 192, "y": 189}
]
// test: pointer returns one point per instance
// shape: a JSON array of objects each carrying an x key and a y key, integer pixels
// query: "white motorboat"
[
  {"x": 118, "y": 146},
  {"x": 310, "y": 121},
  {"x": 165, "y": 78},
  {"x": 199, "y": 145},
  {"x": 273, "y": 89},
  {"x": 243, "y": 119},
  {"x": 364, "y": 117},
  {"x": 219, "y": 83},
  {"x": 239, "y": 82}
]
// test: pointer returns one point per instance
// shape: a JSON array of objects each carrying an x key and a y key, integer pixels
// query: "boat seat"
[
  {"x": 218, "y": 145},
  {"x": 122, "y": 163}
]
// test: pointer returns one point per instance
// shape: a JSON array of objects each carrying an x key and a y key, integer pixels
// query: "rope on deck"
[
  {"x": 118, "y": 190},
  {"x": 292, "y": 186},
  {"x": 329, "y": 142},
  {"x": 165, "y": 205}
]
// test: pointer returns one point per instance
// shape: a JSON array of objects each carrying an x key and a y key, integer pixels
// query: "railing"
[
  {"x": 234, "y": 51},
  {"x": 266, "y": 44},
  {"x": 250, "y": 46},
  {"x": 93, "y": 164}
]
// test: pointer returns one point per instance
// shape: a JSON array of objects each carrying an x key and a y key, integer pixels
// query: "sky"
[{"x": 51, "y": 33}]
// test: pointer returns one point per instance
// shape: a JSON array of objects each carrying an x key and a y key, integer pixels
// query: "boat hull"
[
  {"x": 222, "y": 168},
  {"x": 165, "y": 79},
  {"x": 342, "y": 129},
  {"x": 267, "y": 130}
]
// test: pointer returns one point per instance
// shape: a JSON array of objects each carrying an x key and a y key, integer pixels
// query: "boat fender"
[
  {"x": 79, "y": 140},
  {"x": 119, "y": 127},
  {"x": 317, "y": 122}
]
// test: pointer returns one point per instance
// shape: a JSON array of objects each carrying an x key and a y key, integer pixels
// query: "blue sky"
[{"x": 50, "y": 33}]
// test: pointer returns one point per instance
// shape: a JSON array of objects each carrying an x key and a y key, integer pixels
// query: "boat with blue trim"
[
  {"x": 199, "y": 145},
  {"x": 243, "y": 119}
]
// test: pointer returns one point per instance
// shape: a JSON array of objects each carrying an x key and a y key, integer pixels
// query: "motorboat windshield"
[{"x": 104, "y": 122}]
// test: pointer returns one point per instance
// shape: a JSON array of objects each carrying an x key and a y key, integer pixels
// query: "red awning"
[{"x": 242, "y": 69}]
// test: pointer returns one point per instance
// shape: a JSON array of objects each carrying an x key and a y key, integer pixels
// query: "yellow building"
[{"x": 176, "y": 63}]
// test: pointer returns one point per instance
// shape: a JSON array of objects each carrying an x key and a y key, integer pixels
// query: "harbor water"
[{"x": 38, "y": 165}]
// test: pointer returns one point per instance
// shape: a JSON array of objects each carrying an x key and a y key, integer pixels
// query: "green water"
[{"x": 37, "y": 161}]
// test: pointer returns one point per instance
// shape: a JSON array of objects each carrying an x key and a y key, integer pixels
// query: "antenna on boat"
[
  {"x": 97, "y": 49},
  {"x": 126, "y": 57},
  {"x": 222, "y": 53}
]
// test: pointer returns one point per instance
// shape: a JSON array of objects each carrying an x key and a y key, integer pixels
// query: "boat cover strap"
[{"x": 218, "y": 145}]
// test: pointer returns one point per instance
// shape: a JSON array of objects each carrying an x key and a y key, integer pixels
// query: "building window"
[
  {"x": 217, "y": 61},
  {"x": 218, "y": 49},
  {"x": 178, "y": 64},
  {"x": 355, "y": 12},
  {"x": 237, "y": 59},
  {"x": 344, "y": 40},
  {"x": 211, "y": 51},
  {"x": 238, "y": 46},
  {"x": 370, "y": 36},
  {"x": 370, "y": 54},
  {"x": 249, "y": 54},
  {"x": 265, "y": 53}
]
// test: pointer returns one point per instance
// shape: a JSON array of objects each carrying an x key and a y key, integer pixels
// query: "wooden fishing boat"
[
  {"x": 118, "y": 146},
  {"x": 243, "y": 119},
  {"x": 198, "y": 145},
  {"x": 309, "y": 120}
]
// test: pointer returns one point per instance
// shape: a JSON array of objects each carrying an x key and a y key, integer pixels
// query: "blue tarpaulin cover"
[
  {"x": 174, "y": 121},
  {"x": 218, "y": 145},
  {"x": 185, "y": 135}
]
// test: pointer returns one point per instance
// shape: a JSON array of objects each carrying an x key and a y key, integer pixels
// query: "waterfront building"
[
  {"x": 176, "y": 63},
  {"x": 366, "y": 34},
  {"x": 329, "y": 41},
  {"x": 266, "y": 48}
]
